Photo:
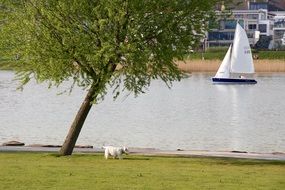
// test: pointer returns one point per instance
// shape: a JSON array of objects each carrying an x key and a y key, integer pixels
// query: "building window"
[
  {"x": 279, "y": 23},
  {"x": 238, "y": 16},
  {"x": 252, "y": 26},
  {"x": 262, "y": 28},
  {"x": 230, "y": 24},
  {"x": 252, "y": 16},
  {"x": 257, "y": 6},
  {"x": 216, "y": 36}
]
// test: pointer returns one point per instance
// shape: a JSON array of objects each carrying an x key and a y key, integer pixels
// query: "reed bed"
[
  {"x": 264, "y": 65},
  {"x": 269, "y": 65}
]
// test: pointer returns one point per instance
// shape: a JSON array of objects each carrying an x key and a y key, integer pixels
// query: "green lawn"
[{"x": 92, "y": 171}]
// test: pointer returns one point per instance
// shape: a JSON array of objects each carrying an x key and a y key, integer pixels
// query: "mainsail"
[{"x": 241, "y": 58}]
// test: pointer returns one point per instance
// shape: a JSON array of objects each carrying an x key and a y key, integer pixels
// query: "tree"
[
  {"x": 118, "y": 43},
  {"x": 263, "y": 42}
]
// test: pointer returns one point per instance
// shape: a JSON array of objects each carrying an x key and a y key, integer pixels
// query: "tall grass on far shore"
[
  {"x": 27, "y": 171},
  {"x": 261, "y": 65}
]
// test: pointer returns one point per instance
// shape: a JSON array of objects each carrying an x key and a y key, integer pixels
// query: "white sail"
[
  {"x": 224, "y": 69},
  {"x": 241, "y": 58}
]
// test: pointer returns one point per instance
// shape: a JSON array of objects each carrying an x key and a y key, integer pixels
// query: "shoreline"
[
  {"x": 261, "y": 66},
  {"x": 157, "y": 152}
]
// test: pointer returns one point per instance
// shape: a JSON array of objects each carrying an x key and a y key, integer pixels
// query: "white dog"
[{"x": 115, "y": 152}]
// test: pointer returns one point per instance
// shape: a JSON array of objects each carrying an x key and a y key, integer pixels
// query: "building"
[
  {"x": 261, "y": 25},
  {"x": 270, "y": 5},
  {"x": 255, "y": 23},
  {"x": 279, "y": 31}
]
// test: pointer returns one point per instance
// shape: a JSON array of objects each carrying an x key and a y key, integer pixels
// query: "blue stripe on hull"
[{"x": 234, "y": 81}]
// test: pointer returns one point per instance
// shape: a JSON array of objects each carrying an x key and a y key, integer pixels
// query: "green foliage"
[
  {"x": 263, "y": 42},
  {"x": 91, "y": 171},
  {"x": 116, "y": 42}
]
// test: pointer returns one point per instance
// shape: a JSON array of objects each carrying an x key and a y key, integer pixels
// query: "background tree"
[{"x": 118, "y": 43}]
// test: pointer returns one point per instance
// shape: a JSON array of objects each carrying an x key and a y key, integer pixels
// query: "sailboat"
[{"x": 237, "y": 66}]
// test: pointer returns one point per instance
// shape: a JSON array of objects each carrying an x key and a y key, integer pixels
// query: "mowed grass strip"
[
  {"x": 219, "y": 53},
  {"x": 92, "y": 171}
]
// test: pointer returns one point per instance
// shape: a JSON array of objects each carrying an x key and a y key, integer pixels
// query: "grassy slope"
[{"x": 91, "y": 171}]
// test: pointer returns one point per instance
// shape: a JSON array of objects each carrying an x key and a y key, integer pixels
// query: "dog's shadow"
[{"x": 135, "y": 158}]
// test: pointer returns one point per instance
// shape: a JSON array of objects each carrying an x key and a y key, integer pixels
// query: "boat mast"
[{"x": 233, "y": 46}]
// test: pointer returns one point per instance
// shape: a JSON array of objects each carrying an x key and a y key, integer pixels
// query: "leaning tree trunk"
[{"x": 71, "y": 138}]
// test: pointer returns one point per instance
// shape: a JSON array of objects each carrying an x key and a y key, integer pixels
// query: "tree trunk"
[{"x": 71, "y": 138}]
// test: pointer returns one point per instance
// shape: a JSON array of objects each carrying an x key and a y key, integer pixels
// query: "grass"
[
  {"x": 271, "y": 55},
  {"x": 219, "y": 53},
  {"x": 207, "y": 55},
  {"x": 91, "y": 171}
]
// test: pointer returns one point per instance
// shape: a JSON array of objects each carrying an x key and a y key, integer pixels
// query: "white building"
[
  {"x": 279, "y": 30},
  {"x": 255, "y": 22}
]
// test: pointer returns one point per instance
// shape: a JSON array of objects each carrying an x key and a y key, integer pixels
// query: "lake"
[{"x": 194, "y": 115}]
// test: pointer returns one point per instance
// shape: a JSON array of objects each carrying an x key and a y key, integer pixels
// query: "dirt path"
[{"x": 152, "y": 151}]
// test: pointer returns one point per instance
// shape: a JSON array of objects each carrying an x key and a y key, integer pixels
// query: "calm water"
[{"x": 194, "y": 114}]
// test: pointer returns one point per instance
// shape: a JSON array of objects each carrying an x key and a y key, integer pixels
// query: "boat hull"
[{"x": 233, "y": 81}]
